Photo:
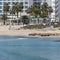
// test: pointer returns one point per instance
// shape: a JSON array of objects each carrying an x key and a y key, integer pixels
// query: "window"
[
  {"x": 26, "y": 2},
  {"x": 4, "y": 0},
  {"x": 34, "y": 0},
  {"x": 0, "y": 3},
  {"x": 26, "y": 6},
  {"x": 0, "y": 7},
  {"x": 0, "y": 11}
]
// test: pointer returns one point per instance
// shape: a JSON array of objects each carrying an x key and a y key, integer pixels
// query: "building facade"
[
  {"x": 54, "y": 9},
  {"x": 37, "y": 1},
  {"x": 57, "y": 9},
  {"x": 26, "y": 4}
]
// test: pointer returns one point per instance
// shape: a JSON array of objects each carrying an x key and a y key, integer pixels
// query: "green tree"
[
  {"x": 50, "y": 10},
  {"x": 20, "y": 7},
  {"x": 25, "y": 20},
  {"x": 17, "y": 7},
  {"x": 44, "y": 9},
  {"x": 4, "y": 18},
  {"x": 5, "y": 8},
  {"x": 34, "y": 10},
  {"x": 29, "y": 11},
  {"x": 12, "y": 12},
  {"x": 13, "y": 9}
]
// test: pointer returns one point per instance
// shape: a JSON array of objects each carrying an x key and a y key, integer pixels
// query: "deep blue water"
[{"x": 29, "y": 48}]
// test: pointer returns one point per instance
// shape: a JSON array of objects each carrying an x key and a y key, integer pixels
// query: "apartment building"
[
  {"x": 37, "y": 1},
  {"x": 54, "y": 9},
  {"x": 57, "y": 9},
  {"x": 26, "y": 4}
]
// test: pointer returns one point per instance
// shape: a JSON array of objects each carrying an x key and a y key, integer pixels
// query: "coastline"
[
  {"x": 4, "y": 30},
  {"x": 26, "y": 33}
]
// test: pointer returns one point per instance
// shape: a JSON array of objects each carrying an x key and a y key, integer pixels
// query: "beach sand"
[{"x": 4, "y": 30}]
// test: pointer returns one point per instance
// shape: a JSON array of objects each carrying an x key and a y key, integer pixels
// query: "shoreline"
[
  {"x": 4, "y": 30},
  {"x": 26, "y": 33},
  {"x": 24, "y": 36}
]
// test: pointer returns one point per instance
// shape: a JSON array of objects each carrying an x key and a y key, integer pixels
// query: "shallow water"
[{"x": 29, "y": 48}]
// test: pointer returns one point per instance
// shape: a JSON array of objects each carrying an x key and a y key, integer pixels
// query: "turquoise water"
[{"x": 29, "y": 48}]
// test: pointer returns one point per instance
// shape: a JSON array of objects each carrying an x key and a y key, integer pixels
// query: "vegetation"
[
  {"x": 25, "y": 20},
  {"x": 16, "y": 8},
  {"x": 50, "y": 10},
  {"x": 5, "y": 8},
  {"x": 34, "y": 10},
  {"x": 20, "y": 7},
  {"x": 56, "y": 25},
  {"x": 4, "y": 18},
  {"x": 12, "y": 12},
  {"x": 38, "y": 10},
  {"x": 44, "y": 9},
  {"x": 38, "y": 26}
]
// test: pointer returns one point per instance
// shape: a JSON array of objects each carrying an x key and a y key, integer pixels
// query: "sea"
[{"x": 29, "y": 48}]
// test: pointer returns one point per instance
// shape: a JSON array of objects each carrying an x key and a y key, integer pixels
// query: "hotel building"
[
  {"x": 56, "y": 9},
  {"x": 52, "y": 4},
  {"x": 26, "y": 4}
]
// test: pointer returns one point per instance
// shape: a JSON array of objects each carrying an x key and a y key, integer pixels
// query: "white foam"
[
  {"x": 14, "y": 39},
  {"x": 22, "y": 38}
]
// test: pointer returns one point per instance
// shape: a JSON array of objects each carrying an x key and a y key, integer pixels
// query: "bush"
[
  {"x": 56, "y": 26},
  {"x": 25, "y": 20},
  {"x": 40, "y": 26}
]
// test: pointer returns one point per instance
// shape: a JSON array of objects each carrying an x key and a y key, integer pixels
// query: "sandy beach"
[{"x": 4, "y": 30}]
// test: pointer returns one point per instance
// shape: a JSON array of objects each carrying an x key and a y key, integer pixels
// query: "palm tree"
[
  {"x": 30, "y": 11},
  {"x": 4, "y": 18},
  {"x": 15, "y": 8},
  {"x": 12, "y": 12},
  {"x": 50, "y": 10},
  {"x": 25, "y": 20},
  {"x": 20, "y": 7},
  {"x": 5, "y": 8},
  {"x": 44, "y": 9},
  {"x": 38, "y": 10},
  {"x": 34, "y": 10}
]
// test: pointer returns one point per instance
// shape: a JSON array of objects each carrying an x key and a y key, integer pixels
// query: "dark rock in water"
[{"x": 57, "y": 41}]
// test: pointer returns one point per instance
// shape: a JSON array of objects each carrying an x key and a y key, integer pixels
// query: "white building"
[
  {"x": 53, "y": 6},
  {"x": 26, "y": 4},
  {"x": 57, "y": 9},
  {"x": 37, "y": 1}
]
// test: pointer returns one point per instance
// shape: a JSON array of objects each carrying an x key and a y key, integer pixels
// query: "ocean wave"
[{"x": 22, "y": 38}]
